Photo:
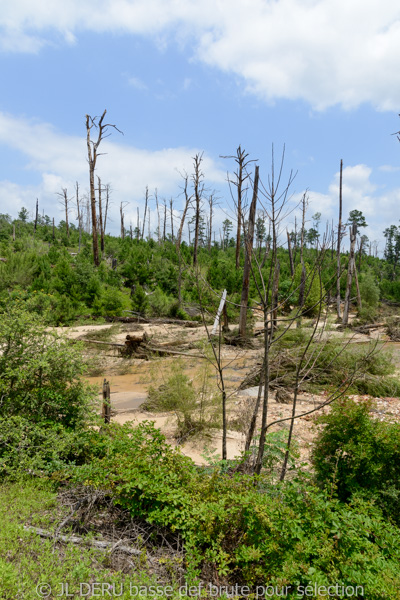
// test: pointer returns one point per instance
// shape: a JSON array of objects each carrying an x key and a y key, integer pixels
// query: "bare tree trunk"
[
  {"x": 107, "y": 188},
  {"x": 198, "y": 189},
  {"x": 158, "y": 215},
  {"x": 122, "y": 222},
  {"x": 187, "y": 202},
  {"x": 171, "y": 206},
  {"x": 65, "y": 201},
  {"x": 146, "y": 200},
  {"x": 100, "y": 216},
  {"x": 78, "y": 208},
  {"x": 138, "y": 225},
  {"x": 54, "y": 234},
  {"x": 92, "y": 147},
  {"x": 165, "y": 221},
  {"x": 248, "y": 257},
  {"x": 290, "y": 253},
  {"x": 350, "y": 273},
  {"x": 338, "y": 271},
  {"x": 210, "y": 201}
]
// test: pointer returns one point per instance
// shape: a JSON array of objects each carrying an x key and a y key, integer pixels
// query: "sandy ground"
[{"x": 130, "y": 379}]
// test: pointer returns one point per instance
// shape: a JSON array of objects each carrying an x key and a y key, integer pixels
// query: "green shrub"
[
  {"x": 40, "y": 371},
  {"x": 359, "y": 455},
  {"x": 369, "y": 290},
  {"x": 292, "y": 534},
  {"x": 40, "y": 449},
  {"x": 139, "y": 300}
]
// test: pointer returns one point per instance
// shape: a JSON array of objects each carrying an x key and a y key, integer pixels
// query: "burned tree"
[
  {"x": 249, "y": 235},
  {"x": 92, "y": 150},
  {"x": 65, "y": 203},
  {"x": 185, "y": 209},
  {"x": 198, "y": 186}
]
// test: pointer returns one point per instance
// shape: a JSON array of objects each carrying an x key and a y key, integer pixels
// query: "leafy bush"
[
  {"x": 359, "y": 455},
  {"x": 196, "y": 407},
  {"x": 291, "y": 534},
  {"x": 40, "y": 371},
  {"x": 369, "y": 290},
  {"x": 40, "y": 449}
]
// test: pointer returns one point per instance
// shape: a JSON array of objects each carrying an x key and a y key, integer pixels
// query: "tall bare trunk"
[
  {"x": 171, "y": 206},
  {"x": 78, "y": 208},
  {"x": 338, "y": 271},
  {"x": 122, "y": 221},
  {"x": 197, "y": 177},
  {"x": 146, "y": 201},
  {"x": 350, "y": 273},
  {"x": 187, "y": 202},
  {"x": 249, "y": 235},
  {"x": 158, "y": 216},
  {"x": 100, "y": 216}
]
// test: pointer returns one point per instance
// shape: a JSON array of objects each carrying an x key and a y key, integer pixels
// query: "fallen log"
[
  {"x": 74, "y": 539},
  {"x": 174, "y": 352}
]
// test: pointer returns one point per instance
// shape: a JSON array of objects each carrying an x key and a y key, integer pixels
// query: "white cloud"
[
  {"x": 61, "y": 160},
  {"x": 359, "y": 192},
  {"x": 137, "y": 83},
  {"x": 325, "y": 52}
]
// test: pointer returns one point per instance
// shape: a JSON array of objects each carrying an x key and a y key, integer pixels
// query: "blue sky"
[{"x": 180, "y": 77}]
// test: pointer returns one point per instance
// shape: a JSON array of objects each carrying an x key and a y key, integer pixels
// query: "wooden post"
[{"x": 106, "y": 410}]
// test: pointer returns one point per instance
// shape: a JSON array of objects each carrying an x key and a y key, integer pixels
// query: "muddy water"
[{"x": 129, "y": 391}]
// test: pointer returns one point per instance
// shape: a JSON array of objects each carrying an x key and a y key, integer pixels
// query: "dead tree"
[
  {"x": 171, "y": 203},
  {"x": 198, "y": 186},
  {"x": 122, "y": 216},
  {"x": 107, "y": 189},
  {"x": 100, "y": 216},
  {"x": 249, "y": 235},
  {"x": 240, "y": 177},
  {"x": 165, "y": 221},
  {"x": 65, "y": 203},
  {"x": 78, "y": 209},
  {"x": 350, "y": 273},
  {"x": 92, "y": 149},
  {"x": 338, "y": 272},
  {"x": 158, "y": 216},
  {"x": 146, "y": 201},
  {"x": 185, "y": 209}
]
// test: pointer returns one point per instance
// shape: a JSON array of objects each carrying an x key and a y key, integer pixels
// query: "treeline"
[{"x": 53, "y": 270}]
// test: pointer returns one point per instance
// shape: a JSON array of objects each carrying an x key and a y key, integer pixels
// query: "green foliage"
[
  {"x": 27, "y": 560},
  {"x": 195, "y": 404},
  {"x": 314, "y": 292},
  {"x": 40, "y": 371},
  {"x": 293, "y": 533},
  {"x": 40, "y": 449},
  {"x": 369, "y": 290},
  {"x": 335, "y": 364},
  {"x": 357, "y": 454},
  {"x": 139, "y": 300},
  {"x": 161, "y": 305}
]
